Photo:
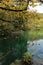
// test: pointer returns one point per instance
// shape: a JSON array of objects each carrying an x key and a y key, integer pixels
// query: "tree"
[
  {"x": 13, "y": 20},
  {"x": 41, "y": 1},
  {"x": 14, "y": 4}
]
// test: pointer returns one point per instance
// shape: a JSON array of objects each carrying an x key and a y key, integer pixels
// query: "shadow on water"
[{"x": 10, "y": 50}]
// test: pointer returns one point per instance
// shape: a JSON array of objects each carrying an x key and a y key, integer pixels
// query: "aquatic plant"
[{"x": 27, "y": 59}]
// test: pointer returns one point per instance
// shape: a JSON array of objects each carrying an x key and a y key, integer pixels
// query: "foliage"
[
  {"x": 13, "y": 22},
  {"x": 14, "y": 4},
  {"x": 27, "y": 59},
  {"x": 14, "y": 27}
]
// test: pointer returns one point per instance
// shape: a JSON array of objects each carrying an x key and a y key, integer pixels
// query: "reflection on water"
[
  {"x": 36, "y": 48},
  {"x": 10, "y": 50}
]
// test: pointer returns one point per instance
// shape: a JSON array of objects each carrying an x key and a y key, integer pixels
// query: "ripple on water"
[
  {"x": 40, "y": 56},
  {"x": 36, "y": 48},
  {"x": 37, "y": 62}
]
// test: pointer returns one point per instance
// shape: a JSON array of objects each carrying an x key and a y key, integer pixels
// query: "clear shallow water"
[
  {"x": 36, "y": 49},
  {"x": 10, "y": 50}
]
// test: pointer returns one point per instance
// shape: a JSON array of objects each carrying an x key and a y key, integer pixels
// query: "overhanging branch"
[
  {"x": 5, "y": 20},
  {"x": 13, "y": 9}
]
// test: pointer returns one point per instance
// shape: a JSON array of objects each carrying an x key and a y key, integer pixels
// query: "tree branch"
[{"x": 13, "y": 9}]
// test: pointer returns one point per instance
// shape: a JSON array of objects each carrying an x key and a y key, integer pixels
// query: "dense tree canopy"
[
  {"x": 14, "y": 4},
  {"x": 12, "y": 21}
]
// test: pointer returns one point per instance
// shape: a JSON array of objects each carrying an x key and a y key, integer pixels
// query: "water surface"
[{"x": 36, "y": 49}]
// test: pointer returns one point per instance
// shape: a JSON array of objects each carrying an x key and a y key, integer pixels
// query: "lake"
[
  {"x": 10, "y": 50},
  {"x": 36, "y": 49}
]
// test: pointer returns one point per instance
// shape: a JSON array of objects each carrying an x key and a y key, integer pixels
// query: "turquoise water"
[
  {"x": 36, "y": 49},
  {"x": 10, "y": 50}
]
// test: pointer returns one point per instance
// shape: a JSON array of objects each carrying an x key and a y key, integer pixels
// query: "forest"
[{"x": 18, "y": 29}]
